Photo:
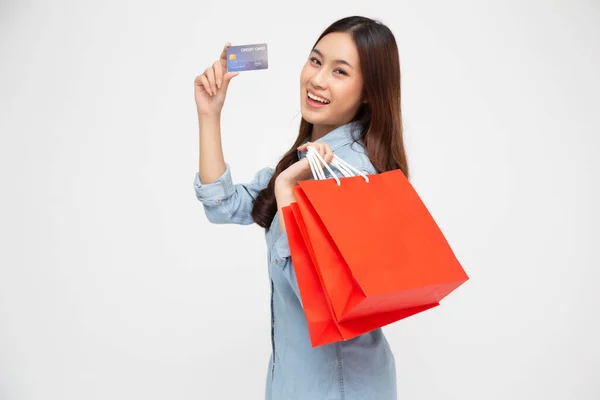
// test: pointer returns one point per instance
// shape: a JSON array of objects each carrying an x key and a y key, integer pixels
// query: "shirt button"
[
  {"x": 277, "y": 261},
  {"x": 217, "y": 202}
]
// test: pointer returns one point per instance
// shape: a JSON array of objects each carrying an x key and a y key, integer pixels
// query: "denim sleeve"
[
  {"x": 228, "y": 203},
  {"x": 281, "y": 246},
  {"x": 281, "y": 257}
]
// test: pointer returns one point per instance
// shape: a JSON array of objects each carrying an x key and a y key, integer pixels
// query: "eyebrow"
[{"x": 336, "y": 61}]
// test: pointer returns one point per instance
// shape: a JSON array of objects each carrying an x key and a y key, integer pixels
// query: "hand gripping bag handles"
[{"x": 365, "y": 250}]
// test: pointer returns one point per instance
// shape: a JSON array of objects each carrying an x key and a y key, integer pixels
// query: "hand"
[
  {"x": 300, "y": 170},
  {"x": 210, "y": 88}
]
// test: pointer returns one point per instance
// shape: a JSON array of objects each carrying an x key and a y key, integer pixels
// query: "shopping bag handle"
[{"x": 346, "y": 169}]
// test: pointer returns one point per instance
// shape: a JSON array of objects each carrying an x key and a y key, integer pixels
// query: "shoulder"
[
  {"x": 264, "y": 173},
  {"x": 355, "y": 154},
  {"x": 263, "y": 176}
]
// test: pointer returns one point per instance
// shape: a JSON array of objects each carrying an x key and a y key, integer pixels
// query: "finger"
[
  {"x": 304, "y": 147},
  {"x": 205, "y": 84},
  {"x": 318, "y": 147},
  {"x": 210, "y": 74},
  {"x": 218, "y": 73},
  {"x": 322, "y": 149},
  {"x": 328, "y": 155},
  {"x": 223, "y": 57},
  {"x": 224, "y": 52},
  {"x": 198, "y": 82}
]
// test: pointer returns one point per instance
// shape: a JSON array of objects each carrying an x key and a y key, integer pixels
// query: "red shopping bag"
[
  {"x": 322, "y": 326},
  {"x": 374, "y": 246}
]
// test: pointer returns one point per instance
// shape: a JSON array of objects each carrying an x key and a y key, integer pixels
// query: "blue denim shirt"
[{"x": 362, "y": 368}]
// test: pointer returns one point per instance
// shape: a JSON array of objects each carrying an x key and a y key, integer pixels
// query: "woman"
[{"x": 350, "y": 103}]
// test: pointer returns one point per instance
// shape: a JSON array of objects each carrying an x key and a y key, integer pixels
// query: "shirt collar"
[{"x": 338, "y": 137}]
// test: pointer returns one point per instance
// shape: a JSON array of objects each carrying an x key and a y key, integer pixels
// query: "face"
[{"x": 332, "y": 74}]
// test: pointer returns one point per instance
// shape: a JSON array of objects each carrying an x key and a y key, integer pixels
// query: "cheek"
[
  {"x": 304, "y": 75},
  {"x": 347, "y": 94}
]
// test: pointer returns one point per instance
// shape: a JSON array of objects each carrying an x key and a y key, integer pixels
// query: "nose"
[{"x": 319, "y": 80}]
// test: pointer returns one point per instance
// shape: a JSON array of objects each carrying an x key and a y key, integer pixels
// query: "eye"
[
  {"x": 342, "y": 71},
  {"x": 313, "y": 59}
]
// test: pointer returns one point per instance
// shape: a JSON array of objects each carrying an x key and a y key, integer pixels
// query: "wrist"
[
  {"x": 284, "y": 195},
  {"x": 214, "y": 118},
  {"x": 282, "y": 185}
]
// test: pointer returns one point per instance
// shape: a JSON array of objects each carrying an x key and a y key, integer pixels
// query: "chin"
[
  {"x": 308, "y": 117},
  {"x": 315, "y": 118}
]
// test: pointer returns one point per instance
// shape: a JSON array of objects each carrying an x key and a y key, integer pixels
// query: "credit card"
[{"x": 248, "y": 57}]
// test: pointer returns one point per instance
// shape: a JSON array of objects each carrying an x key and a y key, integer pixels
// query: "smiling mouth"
[{"x": 317, "y": 98}]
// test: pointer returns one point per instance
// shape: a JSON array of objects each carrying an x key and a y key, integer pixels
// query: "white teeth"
[{"x": 322, "y": 100}]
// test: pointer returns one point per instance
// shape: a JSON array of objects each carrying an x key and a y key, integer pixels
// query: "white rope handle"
[
  {"x": 317, "y": 171},
  {"x": 346, "y": 169},
  {"x": 343, "y": 169},
  {"x": 341, "y": 164},
  {"x": 315, "y": 166}
]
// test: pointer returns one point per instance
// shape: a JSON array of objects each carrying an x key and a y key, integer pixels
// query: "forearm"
[
  {"x": 211, "y": 163},
  {"x": 284, "y": 196}
]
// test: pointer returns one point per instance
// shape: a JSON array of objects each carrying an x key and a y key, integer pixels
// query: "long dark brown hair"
[{"x": 380, "y": 118}]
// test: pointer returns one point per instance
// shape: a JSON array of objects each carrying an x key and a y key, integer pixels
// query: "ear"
[{"x": 364, "y": 96}]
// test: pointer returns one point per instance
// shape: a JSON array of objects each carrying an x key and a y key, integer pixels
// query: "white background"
[{"x": 113, "y": 285}]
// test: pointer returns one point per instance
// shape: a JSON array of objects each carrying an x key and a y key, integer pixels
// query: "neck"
[{"x": 318, "y": 131}]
